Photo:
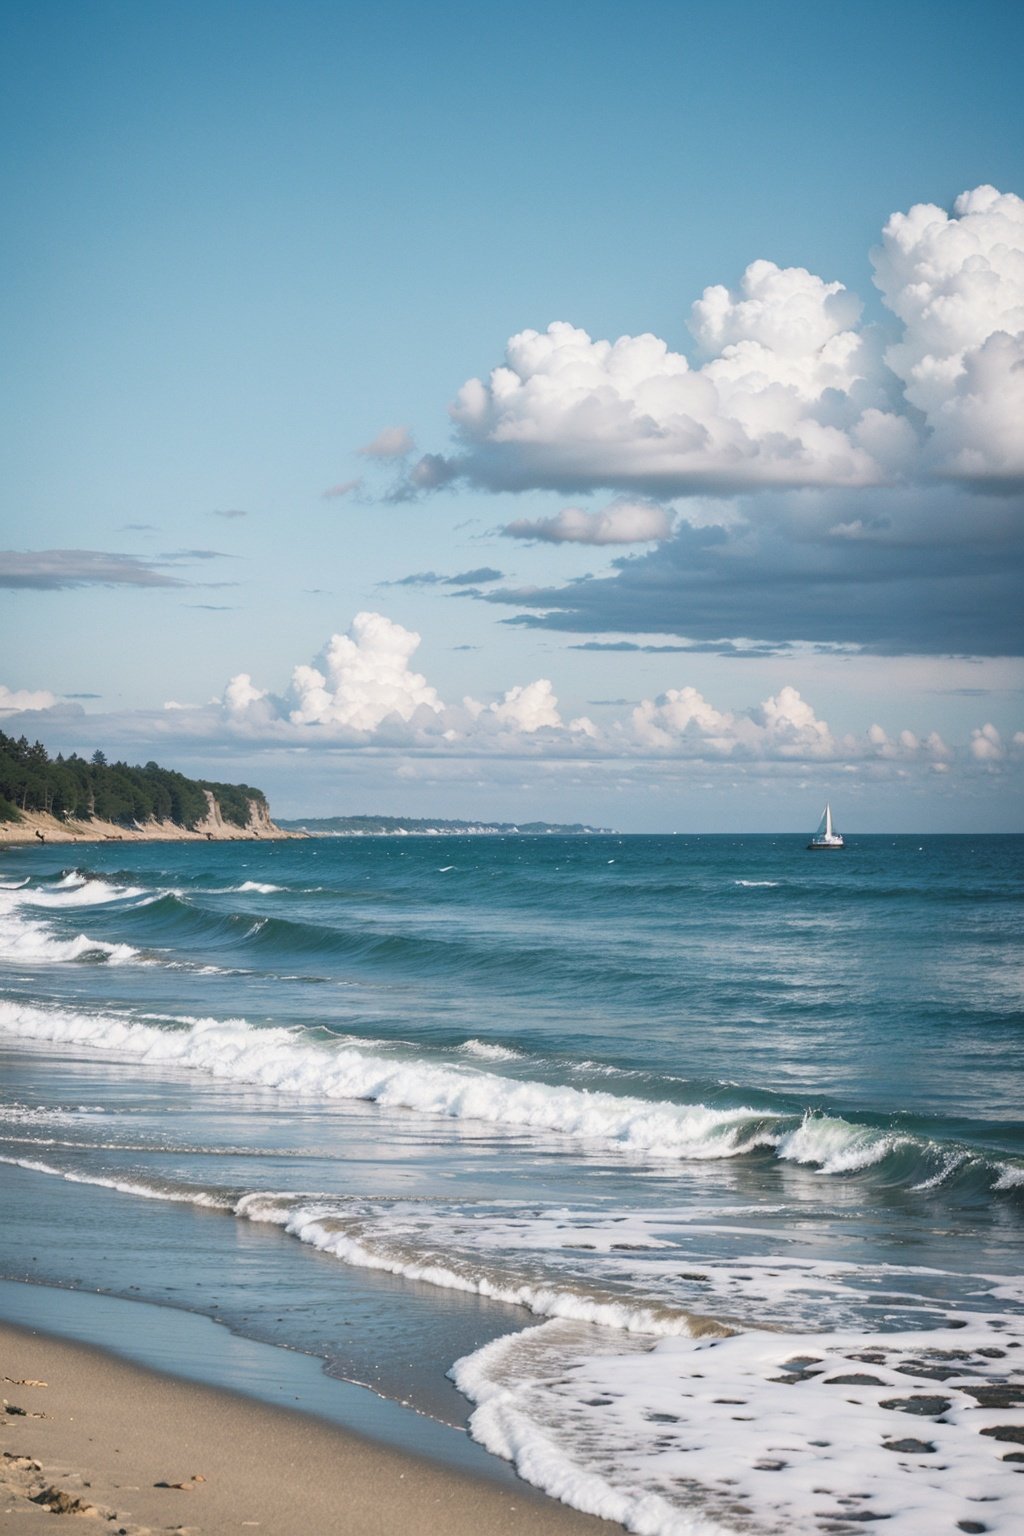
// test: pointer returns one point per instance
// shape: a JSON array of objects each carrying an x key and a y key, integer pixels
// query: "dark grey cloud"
[
  {"x": 430, "y": 473},
  {"x": 229, "y": 512},
  {"x": 138, "y": 528},
  {"x": 83, "y": 695},
  {"x": 893, "y": 571},
  {"x": 213, "y": 607}
]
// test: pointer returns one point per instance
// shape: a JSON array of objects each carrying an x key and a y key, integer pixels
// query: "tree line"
[{"x": 72, "y": 788}]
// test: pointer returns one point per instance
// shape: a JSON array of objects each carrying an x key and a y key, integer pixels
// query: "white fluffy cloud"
[
  {"x": 623, "y": 521},
  {"x": 792, "y": 390},
  {"x": 362, "y": 692},
  {"x": 362, "y": 688},
  {"x": 14, "y": 700},
  {"x": 362, "y": 679},
  {"x": 783, "y": 728},
  {"x": 568, "y": 412},
  {"x": 957, "y": 284}
]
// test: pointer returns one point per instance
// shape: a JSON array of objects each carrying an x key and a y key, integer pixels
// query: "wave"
[
  {"x": 292, "y": 1061},
  {"x": 123, "y": 1186},
  {"x": 672, "y": 1421},
  {"x": 323, "y": 1228},
  {"x": 83, "y": 893},
  {"x": 758, "y": 1432},
  {"x": 486, "y": 1050},
  {"x": 28, "y": 943}
]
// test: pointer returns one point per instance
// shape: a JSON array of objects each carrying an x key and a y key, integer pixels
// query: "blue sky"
[{"x": 248, "y": 241}]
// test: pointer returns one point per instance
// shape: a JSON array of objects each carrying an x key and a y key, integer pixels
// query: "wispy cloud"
[
  {"x": 391, "y": 443},
  {"x": 53, "y": 569},
  {"x": 479, "y": 577},
  {"x": 343, "y": 488},
  {"x": 56, "y": 569}
]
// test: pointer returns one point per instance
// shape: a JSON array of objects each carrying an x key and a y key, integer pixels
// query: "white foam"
[
  {"x": 27, "y": 941},
  {"x": 262, "y": 886},
  {"x": 757, "y": 884},
  {"x": 703, "y": 1435},
  {"x": 284, "y": 1060},
  {"x": 123, "y": 1186},
  {"x": 486, "y": 1051},
  {"x": 81, "y": 893},
  {"x": 322, "y": 1226}
]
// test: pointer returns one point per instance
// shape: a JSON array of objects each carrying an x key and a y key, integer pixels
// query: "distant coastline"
[{"x": 412, "y": 826}]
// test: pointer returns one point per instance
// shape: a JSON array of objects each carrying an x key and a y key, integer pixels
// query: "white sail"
[{"x": 826, "y": 835}]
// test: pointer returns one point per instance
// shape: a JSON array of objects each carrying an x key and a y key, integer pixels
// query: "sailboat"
[{"x": 826, "y": 835}]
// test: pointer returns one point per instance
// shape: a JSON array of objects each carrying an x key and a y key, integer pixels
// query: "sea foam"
[{"x": 292, "y": 1062}]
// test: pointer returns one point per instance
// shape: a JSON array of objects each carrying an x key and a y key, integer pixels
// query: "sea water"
[{"x": 687, "y": 1171}]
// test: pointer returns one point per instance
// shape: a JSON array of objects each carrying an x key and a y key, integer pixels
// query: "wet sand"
[{"x": 87, "y": 1434}]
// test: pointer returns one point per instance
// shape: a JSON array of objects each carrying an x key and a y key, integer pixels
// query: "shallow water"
[{"x": 388, "y": 1101}]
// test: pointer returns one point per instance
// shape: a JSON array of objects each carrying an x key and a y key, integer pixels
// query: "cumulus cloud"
[
  {"x": 566, "y": 412},
  {"x": 624, "y": 521},
  {"x": 808, "y": 428},
  {"x": 362, "y": 689},
  {"x": 361, "y": 679},
  {"x": 391, "y": 443},
  {"x": 528, "y": 708},
  {"x": 14, "y": 700},
  {"x": 987, "y": 744},
  {"x": 362, "y": 692},
  {"x": 791, "y": 389},
  {"x": 957, "y": 284},
  {"x": 783, "y": 728}
]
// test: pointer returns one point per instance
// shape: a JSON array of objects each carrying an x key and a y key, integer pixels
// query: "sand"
[
  {"x": 86, "y": 1435},
  {"x": 37, "y": 827}
]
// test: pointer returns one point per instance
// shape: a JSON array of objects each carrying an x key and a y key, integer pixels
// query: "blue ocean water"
[{"x": 685, "y": 1168}]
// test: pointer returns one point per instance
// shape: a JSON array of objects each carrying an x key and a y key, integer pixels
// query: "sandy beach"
[
  {"x": 87, "y": 1434},
  {"x": 36, "y": 827}
]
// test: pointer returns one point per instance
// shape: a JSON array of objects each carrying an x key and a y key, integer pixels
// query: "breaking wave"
[{"x": 292, "y": 1061}]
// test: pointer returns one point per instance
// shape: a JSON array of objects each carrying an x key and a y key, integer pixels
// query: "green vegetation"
[{"x": 72, "y": 788}]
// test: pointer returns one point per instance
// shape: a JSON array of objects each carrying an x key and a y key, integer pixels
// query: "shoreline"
[
  {"x": 149, "y": 1452},
  {"x": 38, "y": 829}
]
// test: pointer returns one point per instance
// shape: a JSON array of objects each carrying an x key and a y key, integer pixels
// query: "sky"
[{"x": 605, "y": 413}]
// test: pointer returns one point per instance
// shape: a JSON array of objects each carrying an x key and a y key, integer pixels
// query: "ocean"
[{"x": 686, "y": 1172}]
